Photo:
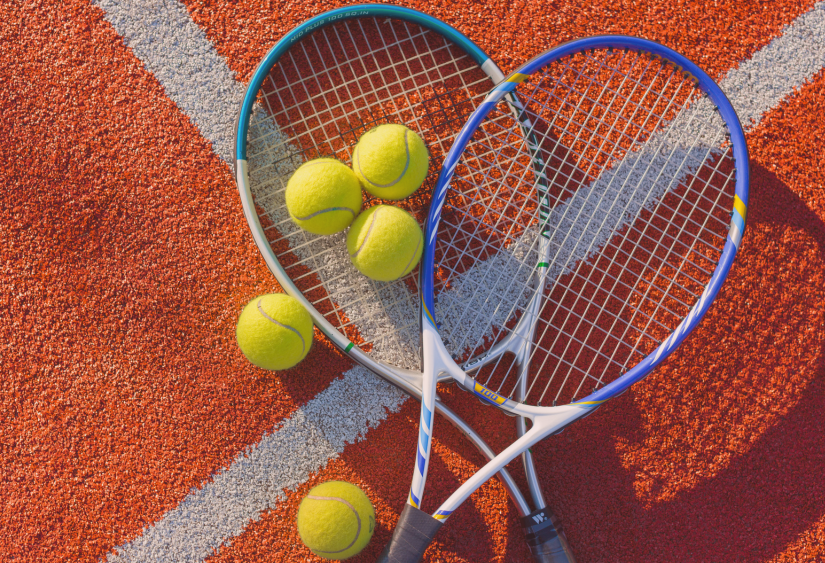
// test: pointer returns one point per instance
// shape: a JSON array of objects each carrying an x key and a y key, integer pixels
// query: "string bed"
[
  {"x": 608, "y": 200},
  {"x": 327, "y": 90}
]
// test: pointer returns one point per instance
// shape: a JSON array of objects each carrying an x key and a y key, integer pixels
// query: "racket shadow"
[{"x": 725, "y": 463}]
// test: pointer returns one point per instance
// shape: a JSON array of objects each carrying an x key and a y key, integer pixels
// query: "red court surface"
[{"x": 125, "y": 260}]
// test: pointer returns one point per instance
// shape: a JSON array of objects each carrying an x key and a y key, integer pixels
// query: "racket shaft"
[
  {"x": 543, "y": 426},
  {"x": 406, "y": 543},
  {"x": 468, "y": 431}
]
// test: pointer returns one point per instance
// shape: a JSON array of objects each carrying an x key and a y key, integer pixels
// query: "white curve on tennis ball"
[
  {"x": 367, "y": 236},
  {"x": 369, "y": 231},
  {"x": 328, "y": 209},
  {"x": 292, "y": 328},
  {"x": 357, "y": 519},
  {"x": 400, "y": 176}
]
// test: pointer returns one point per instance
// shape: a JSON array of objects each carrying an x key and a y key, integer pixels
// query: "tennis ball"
[
  {"x": 274, "y": 331},
  {"x": 336, "y": 520},
  {"x": 323, "y": 196},
  {"x": 391, "y": 161},
  {"x": 385, "y": 243}
]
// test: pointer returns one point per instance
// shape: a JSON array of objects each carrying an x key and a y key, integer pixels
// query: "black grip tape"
[
  {"x": 546, "y": 538},
  {"x": 414, "y": 532}
]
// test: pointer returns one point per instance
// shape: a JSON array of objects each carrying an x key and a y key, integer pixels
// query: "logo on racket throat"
[{"x": 491, "y": 396}]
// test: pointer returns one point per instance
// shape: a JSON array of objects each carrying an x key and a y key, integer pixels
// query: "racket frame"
[
  {"x": 241, "y": 166},
  {"x": 408, "y": 381},
  {"x": 349, "y": 12},
  {"x": 550, "y": 420}
]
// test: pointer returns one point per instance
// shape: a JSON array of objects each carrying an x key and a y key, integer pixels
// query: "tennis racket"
[
  {"x": 548, "y": 291},
  {"x": 317, "y": 90}
]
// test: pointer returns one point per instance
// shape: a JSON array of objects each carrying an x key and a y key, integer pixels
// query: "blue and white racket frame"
[
  {"x": 416, "y": 527},
  {"x": 551, "y": 537}
]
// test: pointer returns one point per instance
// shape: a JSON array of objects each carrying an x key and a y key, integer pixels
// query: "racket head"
[
  {"x": 595, "y": 229},
  {"x": 315, "y": 92}
]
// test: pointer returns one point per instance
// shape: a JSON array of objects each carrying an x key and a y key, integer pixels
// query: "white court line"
[
  {"x": 256, "y": 481},
  {"x": 171, "y": 45},
  {"x": 173, "y": 48},
  {"x": 758, "y": 84}
]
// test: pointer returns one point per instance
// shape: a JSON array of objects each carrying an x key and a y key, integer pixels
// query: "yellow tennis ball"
[
  {"x": 336, "y": 520},
  {"x": 274, "y": 331},
  {"x": 385, "y": 243},
  {"x": 391, "y": 161},
  {"x": 323, "y": 196}
]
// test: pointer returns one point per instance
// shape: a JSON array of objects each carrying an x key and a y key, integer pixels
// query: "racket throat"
[
  {"x": 546, "y": 421},
  {"x": 438, "y": 363},
  {"x": 519, "y": 342}
]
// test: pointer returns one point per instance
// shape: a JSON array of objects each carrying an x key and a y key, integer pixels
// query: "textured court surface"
[{"x": 132, "y": 428}]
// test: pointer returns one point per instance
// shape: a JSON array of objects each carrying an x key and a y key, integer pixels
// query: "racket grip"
[
  {"x": 546, "y": 538},
  {"x": 414, "y": 532}
]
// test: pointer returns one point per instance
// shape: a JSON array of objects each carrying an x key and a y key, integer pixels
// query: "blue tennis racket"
[
  {"x": 315, "y": 93},
  {"x": 571, "y": 247}
]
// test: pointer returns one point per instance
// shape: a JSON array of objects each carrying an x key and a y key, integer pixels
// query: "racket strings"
[
  {"x": 584, "y": 126},
  {"x": 493, "y": 216},
  {"x": 698, "y": 286},
  {"x": 638, "y": 316},
  {"x": 643, "y": 235},
  {"x": 324, "y": 92},
  {"x": 375, "y": 80},
  {"x": 619, "y": 349},
  {"x": 477, "y": 229},
  {"x": 511, "y": 132},
  {"x": 471, "y": 232},
  {"x": 635, "y": 315},
  {"x": 629, "y": 247},
  {"x": 486, "y": 162},
  {"x": 563, "y": 106}
]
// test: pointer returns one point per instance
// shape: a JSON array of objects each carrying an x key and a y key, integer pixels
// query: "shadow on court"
[{"x": 718, "y": 455}]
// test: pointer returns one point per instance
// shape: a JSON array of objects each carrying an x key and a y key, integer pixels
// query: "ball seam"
[
  {"x": 367, "y": 236},
  {"x": 403, "y": 172},
  {"x": 357, "y": 519},
  {"x": 415, "y": 251},
  {"x": 324, "y": 211},
  {"x": 293, "y": 329}
]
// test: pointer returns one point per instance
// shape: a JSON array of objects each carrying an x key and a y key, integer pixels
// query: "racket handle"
[
  {"x": 414, "y": 532},
  {"x": 546, "y": 538}
]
